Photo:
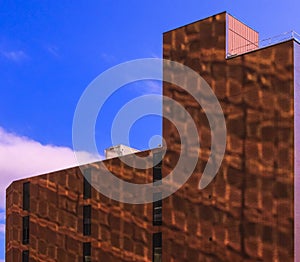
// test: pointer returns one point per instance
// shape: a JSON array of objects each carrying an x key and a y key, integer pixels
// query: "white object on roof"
[{"x": 119, "y": 150}]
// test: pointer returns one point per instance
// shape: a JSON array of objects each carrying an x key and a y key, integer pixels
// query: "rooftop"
[{"x": 244, "y": 43}]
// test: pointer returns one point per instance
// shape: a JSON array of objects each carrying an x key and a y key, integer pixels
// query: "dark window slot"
[
  {"x": 87, "y": 188},
  {"x": 87, "y": 214},
  {"x": 26, "y": 196},
  {"x": 25, "y": 230},
  {"x": 157, "y": 209},
  {"x": 87, "y": 252},
  {"x": 157, "y": 163},
  {"x": 157, "y": 175},
  {"x": 157, "y": 247},
  {"x": 157, "y": 159},
  {"x": 25, "y": 256}
]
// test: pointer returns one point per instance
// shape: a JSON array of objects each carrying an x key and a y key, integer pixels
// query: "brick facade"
[
  {"x": 245, "y": 214},
  {"x": 119, "y": 232}
]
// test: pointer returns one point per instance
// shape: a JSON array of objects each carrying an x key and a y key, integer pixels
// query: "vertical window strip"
[
  {"x": 157, "y": 247},
  {"x": 87, "y": 215},
  {"x": 25, "y": 256},
  {"x": 157, "y": 163},
  {"x": 157, "y": 209},
  {"x": 25, "y": 239},
  {"x": 87, "y": 188},
  {"x": 157, "y": 197},
  {"x": 87, "y": 252},
  {"x": 26, "y": 196}
]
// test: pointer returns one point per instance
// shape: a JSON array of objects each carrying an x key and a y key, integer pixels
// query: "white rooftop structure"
[{"x": 119, "y": 150}]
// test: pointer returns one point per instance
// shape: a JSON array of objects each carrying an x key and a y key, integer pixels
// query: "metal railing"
[{"x": 264, "y": 43}]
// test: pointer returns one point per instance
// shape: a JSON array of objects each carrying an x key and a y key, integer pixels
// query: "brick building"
[{"x": 248, "y": 212}]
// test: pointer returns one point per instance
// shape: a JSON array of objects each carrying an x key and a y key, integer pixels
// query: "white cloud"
[
  {"x": 23, "y": 157},
  {"x": 1, "y": 260},
  {"x": 15, "y": 56}
]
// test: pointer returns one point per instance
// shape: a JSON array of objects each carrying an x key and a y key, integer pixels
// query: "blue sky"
[{"x": 51, "y": 50}]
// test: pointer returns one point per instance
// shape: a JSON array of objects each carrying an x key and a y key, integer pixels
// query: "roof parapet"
[{"x": 242, "y": 39}]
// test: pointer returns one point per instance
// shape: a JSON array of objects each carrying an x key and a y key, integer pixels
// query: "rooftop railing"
[{"x": 264, "y": 43}]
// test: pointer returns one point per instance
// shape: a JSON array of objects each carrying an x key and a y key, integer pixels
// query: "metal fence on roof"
[{"x": 241, "y": 49}]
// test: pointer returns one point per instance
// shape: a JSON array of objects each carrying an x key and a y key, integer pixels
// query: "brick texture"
[
  {"x": 245, "y": 214},
  {"x": 120, "y": 232}
]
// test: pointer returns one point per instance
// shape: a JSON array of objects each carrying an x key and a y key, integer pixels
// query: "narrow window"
[
  {"x": 87, "y": 252},
  {"x": 157, "y": 163},
  {"x": 25, "y": 230},
  {"x": 26, "y": 196},
  {"x": 157, "y": 209},
  {"x": 87, "y": 212},
  {"x": 157, "y": 176},
  {"x": 87, "y": 190},
  {"x": 157, "y": 247},
  {"x": 25, "y": 256}
]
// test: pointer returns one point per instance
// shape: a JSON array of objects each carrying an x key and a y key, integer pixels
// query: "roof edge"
[{"x": 224, "y": 12}]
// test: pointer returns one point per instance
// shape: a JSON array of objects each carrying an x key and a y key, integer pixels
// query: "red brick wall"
[
  {"x": 247, "y": 212},
  {"x": 120, "y": 232},
  {"x": 54, "y": 222}
]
